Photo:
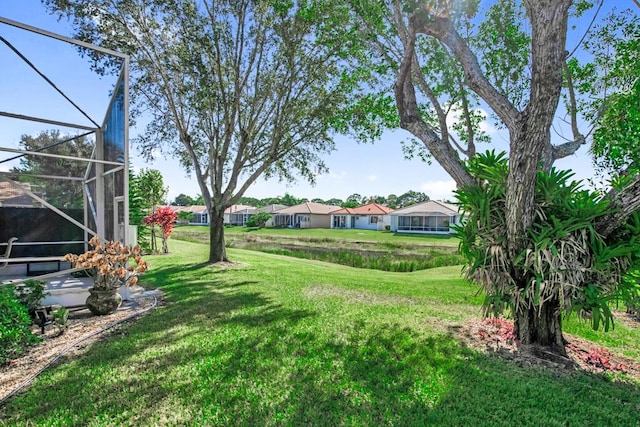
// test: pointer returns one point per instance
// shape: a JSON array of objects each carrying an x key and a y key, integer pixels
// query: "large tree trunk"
[
  {"x": 530, "y": 137},
  {"x": 217, "y": 249},
  {"x": 539, "y": 329},
  {"x": 530, "y": 140},
  {"x": 529, "y": 131}
]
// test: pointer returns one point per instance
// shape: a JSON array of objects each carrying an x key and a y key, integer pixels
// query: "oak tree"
[{"x": 234, "y": 90}]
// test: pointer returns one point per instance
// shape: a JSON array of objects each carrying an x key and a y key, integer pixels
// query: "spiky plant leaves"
[{"x": 564, "y": 258}]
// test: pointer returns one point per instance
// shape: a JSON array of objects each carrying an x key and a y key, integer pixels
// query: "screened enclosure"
[{"x": 63, "y": 146}]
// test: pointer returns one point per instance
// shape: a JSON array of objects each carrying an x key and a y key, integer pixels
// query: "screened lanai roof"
[
  {"x": 428, "y": 208},
  {"x": 63, "y": 143}
]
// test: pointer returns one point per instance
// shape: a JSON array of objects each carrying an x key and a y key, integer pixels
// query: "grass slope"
[{"x": 281, "y": 341}]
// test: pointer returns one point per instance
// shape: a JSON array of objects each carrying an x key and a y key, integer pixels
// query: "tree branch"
[
  {"x": 411, "y": 120},
  {"x": 623, "y": 204},
  {"x": 570, "y": 147},
  {"x": 442, "y": 29}
]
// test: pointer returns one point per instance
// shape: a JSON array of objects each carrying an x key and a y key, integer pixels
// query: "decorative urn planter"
[
  {"x": 111, "y": 265},
  {"x": 103, "y": 301}
]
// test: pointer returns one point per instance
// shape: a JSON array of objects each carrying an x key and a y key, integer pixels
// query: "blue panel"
[{"x": 114, "y": 129}]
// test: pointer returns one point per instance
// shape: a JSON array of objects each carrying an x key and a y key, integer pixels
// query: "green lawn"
[
  {"x": 282, "y": 341},
  {"x": 330, "y": 235}
]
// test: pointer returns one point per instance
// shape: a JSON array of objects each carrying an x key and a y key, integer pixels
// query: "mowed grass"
[
  {"x": 282, "y": 341},
  {"x": 328, "y": 235}
]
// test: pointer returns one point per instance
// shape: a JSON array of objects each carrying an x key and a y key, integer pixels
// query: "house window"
[
  {"x": 404, "y": 222},
  {"x": 373, "y": 219}
]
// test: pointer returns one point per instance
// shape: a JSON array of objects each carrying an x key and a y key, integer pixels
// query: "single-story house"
[
  {"x": 304, "y": 215},
  {"x": 366, "y": 217},
  {"x": 427, "y": 217},
  {"x": 200, "y": 214},
  {"x": 270, "y": 209},
  {"x": 241, "y": 216},
  {"x": 237, "y": 214}
]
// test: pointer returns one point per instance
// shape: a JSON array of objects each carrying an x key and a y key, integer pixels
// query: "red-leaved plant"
[
  {"x": 504, "y": 330},
  {"x": 164, "y": 218}
]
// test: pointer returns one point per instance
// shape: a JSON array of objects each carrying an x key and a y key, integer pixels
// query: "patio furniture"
[{"x": 7, "y": 252}]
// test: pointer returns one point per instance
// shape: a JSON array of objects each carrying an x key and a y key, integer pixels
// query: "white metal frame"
[{"x": 96, "y": 207}]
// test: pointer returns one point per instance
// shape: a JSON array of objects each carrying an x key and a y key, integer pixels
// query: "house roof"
[
  {"x": 431, "y": 207},
  {"x": 244, "y": 211},
  {"x": 368, "y": 209},
  {"x": 193, "y": 209},
  {"x": 308, "y": 208},
  {"x": 271, "y": 208},
  {"x": 11, "y": 196},
  {"x": 237, "y": 208},
  {"x": 199, "y": 209}
]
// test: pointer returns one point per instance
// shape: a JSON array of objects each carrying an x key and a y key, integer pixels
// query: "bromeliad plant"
[
  {"x": 109, "y": 264},
  {"x": 565, "y": 266}
]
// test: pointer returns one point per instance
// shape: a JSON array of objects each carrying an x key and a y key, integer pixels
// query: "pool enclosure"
[{"x": 61, "y": 181}]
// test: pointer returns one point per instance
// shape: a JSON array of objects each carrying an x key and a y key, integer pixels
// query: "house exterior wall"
[
  {"x": 315, "y": 221},
  {"x": 386, "y": 221},
  {"x": 361, "y": 222},
  {"x": 365, "y": 222}
]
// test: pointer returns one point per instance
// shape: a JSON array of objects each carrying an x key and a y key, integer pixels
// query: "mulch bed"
[
  {"x": 496, "y": 336},
  {"x": 81, "y": 324}
]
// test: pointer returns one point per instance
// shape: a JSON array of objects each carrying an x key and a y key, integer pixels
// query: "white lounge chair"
[{"x": 7, "y": 252}]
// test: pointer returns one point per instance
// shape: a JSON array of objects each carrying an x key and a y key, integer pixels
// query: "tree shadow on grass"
[
  {"x": 233, "y": 357},
  {"x": 374, "y": 375},
  {"x": 286, "y": 374},
  {"x": 156, "y": 346}
]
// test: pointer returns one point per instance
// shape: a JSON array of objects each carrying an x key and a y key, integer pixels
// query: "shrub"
[
  {"x": 185, "y": 217},
  {"x": 61, "y": 318},
  {"x": 15, "y": 326},
  {"x": 30, "y": 294},
  {"x": 258, "y": 220}
]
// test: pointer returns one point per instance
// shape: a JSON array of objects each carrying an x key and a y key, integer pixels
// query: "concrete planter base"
[{"x": 103, "y": 301}]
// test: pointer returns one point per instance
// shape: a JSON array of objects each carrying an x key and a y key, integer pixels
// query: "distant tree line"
[{"x": 392, "y": 200}]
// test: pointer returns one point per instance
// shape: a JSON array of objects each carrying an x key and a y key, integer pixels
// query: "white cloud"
[
  {"x": 438, "y": 190},
  {"x": 4, "y": 168},
  {"x": 334, "y": 176},
  {"x": 372, "y": 177}
]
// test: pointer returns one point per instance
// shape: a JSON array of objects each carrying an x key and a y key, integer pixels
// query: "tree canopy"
[
  {"x": 63, "y": 191},
  {"x": 235, "y": 89}
]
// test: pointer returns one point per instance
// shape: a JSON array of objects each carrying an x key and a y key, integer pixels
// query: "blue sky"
[{"x": 367, "y": 169}]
